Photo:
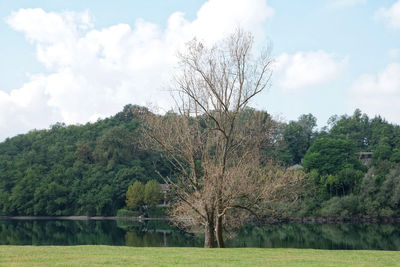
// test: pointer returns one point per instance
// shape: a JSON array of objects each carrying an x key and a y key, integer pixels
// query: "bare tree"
[{"x": 212, "y": 140}]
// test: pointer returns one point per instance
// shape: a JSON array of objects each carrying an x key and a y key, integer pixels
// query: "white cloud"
[
  {"x": 390, "y": 15},
  {"x": 306, "y": 69},
  {"x": 378, "y": 93},
  {"x": 344, "y": 3},
  {"x": 94, "y": 72},
  {"x": 26, "y": 108}
]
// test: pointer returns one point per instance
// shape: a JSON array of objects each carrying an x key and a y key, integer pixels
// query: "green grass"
[{"x": 131, "y": 256}]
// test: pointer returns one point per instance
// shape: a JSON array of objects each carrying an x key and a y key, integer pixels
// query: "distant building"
[
  {"x": 296, "y": 167},
  {"x": 365, "y": 157},
  {"x": 165, "y": 189}
]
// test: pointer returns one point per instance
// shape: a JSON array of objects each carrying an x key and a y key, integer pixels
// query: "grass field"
[{"x": 131, "y": 256}]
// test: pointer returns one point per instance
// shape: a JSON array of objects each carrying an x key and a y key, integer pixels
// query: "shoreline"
[
  {"x": 265, "y": 220},
  {"x": 81, "y": 218},
  {"x": 331, "y": 219}
]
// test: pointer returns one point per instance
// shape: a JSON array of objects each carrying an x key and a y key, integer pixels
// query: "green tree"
[
  {"x": 152, "y": 193},
  {"x": 383, "y": 149},
  {"x": 84, "y": 152},
  {"x": 298, "y": 137},
  {"x": 123, "y": 179},
  {"x": 114, "y": 147},
  {"x": 135, "y": 195},
  {"x": 353, "y": 128},
  {"x": 329, "y": 156},
  {"x": 336, "y": 163}
]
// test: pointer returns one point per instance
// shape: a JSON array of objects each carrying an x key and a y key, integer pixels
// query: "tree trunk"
[
  {"x": 219, "y": 226},
  {"x": 209, "y": 238},
  {"x": 220, "y": 237}
]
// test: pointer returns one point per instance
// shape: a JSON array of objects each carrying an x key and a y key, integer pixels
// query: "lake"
[{"x": 161, "y": 233}]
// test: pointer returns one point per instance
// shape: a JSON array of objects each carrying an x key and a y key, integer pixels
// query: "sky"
[{"x": 77, "y": 61}]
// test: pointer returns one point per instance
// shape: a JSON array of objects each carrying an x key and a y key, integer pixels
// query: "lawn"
[{"x": 132, "y": 256}]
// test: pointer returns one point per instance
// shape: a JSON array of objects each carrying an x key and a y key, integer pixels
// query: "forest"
[{"x": 87, "y": 169}]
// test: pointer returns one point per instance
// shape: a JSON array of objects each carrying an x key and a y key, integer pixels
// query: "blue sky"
[{"x": 76, "y": 61}]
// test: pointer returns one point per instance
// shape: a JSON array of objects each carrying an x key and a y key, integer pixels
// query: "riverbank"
[
  {"x": 82, "y": 218},
  {"x": 129, "y": 256},
  {"x": 263, "y": 220},
  {"x": 332, "y": 219}
]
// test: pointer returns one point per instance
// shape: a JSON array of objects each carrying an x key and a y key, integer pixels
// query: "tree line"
[
  {"x": 77, "y": 169},
  {"x": 87, "y": 169}
]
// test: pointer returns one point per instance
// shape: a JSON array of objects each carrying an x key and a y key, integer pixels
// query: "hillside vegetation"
[
  {"x": 87, "y": 169},
  {"x": 74, "y": 170}
]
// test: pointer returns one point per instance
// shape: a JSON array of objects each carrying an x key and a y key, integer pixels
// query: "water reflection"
[
  {"x": 53, "y": 232},
  {"x": 160, "y": 233},
  {"x": 321, "y": 236},
  {"x": 156, "y": 234}
]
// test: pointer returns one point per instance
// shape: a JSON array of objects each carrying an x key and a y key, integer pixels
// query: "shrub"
[
  {"x": 127, "y": 213},
  {"x": 152, "y": 193},
  {"x": 346, "y": 206},
  {"x": 135, "y": 195}
]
